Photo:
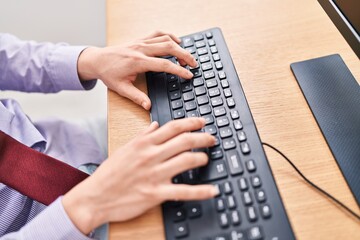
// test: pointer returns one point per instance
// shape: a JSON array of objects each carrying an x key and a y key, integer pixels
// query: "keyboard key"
[
  {"x": 247, "y": 199},
  {"x": 241, "y": 135},
  {"x": 201, "y": 100},
  {"x": 190, "y": 105},
  {"x": 220, "y": 204},
  {"x": 260, "y": 195},
  {"x": 222, "y": 75},
  {"x": 209, "y": 119},
  {"x": 206, "y": 66},
  {"x": 200, "y": 91},
  {"x": 213, "y": 49},
  {"x": 252, "y": 214},
  {"x": 191, "y": 50},
  {"x": 224, "y": 83},
  {"x": 175, "y": 95},
  {"x": 187, "y": 42},
  {"x": 181, "y": 230},
  {"x": 192, "y": 114},
  {"x": 238, "y": 235},
  {"x": 173, "y": 86},
  {"x": 198, "y": 37},
  {"x": 194, "y": 211},
  {"x": 180, "y": 113},
  {"x": 218, "y": 65},
  {"x": 227, "y": 92},
  {"x": 238, "y": 125},
  {"x": 209, "y": 74},
  {"x": 225, "y": 132},
  {"x": 245, "y": 148},
  {"x": 198, "y": 82},
  {"x": 243, "y": 185},
  {"x": 231, "y": 203},
  {"x": 211, "y": 129},
  {"x": 171, "y": 77},
  {"x": 208, "y": 35},
  {"x": 250, "y": 165},
  {"x": 224, "y": 221},
  {"x": 213, "y": 92},
  {"x": 227, "y": 186},
  {"x": 230, "y": 102},
  {"x": 196, "y": 72},
  {"x": 191, "y": 176},
  {"x": 265, "y": 211},
  {"x": 211, "y": 42},
  {"x": 202, "y": 51},
  {"x": 204, "y": 58},
  {"x": 235, "y": 217},
  {"x": 200, "y": 44},
  {"x": 187, "y": 86},
  {"x": 216, "y": 57},
  {"x": 176, "y": 104},
  {"x": 211, "y": 83},
  {"x": 255, "y": 233},
  {"x": 222, "y": 121},
  {"x": 179, "y": 215},
  {"x": 188, "y": 96},
  {"x": 205, "y": 109},
  {"x": 235, "y": 166},
  {"x": 221, "y": 237},
  {"x": 229, "y": 143},
  {"x": 255, "y": 181},
  {"x": 213, "y": 171},
  {"x": 215, "y": 153},
  {"x": 234, "y": 114},
  {"x": 216, "y": 101},
  {"x": 219, "y": 111}
]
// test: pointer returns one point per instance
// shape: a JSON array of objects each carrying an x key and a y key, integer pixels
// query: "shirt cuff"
[
  {"x": 52, "y": 223},
  {"x": 62, "y": 65}
]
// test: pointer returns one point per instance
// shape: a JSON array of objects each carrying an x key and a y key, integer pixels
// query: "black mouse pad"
[{"x": 333, "y": 96}]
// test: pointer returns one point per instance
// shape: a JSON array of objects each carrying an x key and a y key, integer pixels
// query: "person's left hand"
[{"x": 118, "y": 66}]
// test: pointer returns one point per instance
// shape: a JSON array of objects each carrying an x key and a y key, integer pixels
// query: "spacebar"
[{"x": 162, "y": 102}]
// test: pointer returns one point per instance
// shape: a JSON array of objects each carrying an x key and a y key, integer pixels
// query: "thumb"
[{"x": 134, "y": 94}]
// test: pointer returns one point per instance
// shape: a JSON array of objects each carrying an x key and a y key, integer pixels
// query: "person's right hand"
[{"x": 138, "y": 175}]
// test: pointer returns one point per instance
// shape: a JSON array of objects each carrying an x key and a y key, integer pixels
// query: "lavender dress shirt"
[{"x": 41, "y": 67}]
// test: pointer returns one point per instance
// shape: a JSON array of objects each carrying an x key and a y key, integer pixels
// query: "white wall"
[{"x": 78, "y": 22}]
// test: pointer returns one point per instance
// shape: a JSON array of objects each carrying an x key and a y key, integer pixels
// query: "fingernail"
[
  {"x": 144, "y": 104},
  {"x": 190, "y": 74},
  {"x": 216, "y": 190}
]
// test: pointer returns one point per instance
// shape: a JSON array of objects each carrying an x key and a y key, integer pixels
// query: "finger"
[
  {"x": 176, "y": 127},
  {"x": 161, "y": 33},
  {"x": 181, "y": 163},
  {"x": 134, "y": 94},
  {"x": 163, "y": 65},
  {"x": 152, "y": 127},
  {"x": 183, "y": 192},
  {"x": 185, "y": 142},
  {"x": 170, "y": 48},
  {"x": 164, "y": 38}
]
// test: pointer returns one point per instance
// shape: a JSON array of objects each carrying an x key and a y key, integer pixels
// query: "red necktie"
[{"x": 35, "y": 174}]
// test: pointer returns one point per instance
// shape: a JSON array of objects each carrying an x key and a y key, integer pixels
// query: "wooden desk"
[{"x": 264, "y": 37}]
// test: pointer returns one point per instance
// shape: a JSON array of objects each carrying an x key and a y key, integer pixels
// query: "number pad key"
[{"x": 214, "y": 170}]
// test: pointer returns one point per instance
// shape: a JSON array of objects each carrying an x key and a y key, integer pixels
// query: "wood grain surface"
[{"x": 264, "y": 37}]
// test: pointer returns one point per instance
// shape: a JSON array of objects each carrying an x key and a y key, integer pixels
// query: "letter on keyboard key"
[{"x": 214, "y": 170}]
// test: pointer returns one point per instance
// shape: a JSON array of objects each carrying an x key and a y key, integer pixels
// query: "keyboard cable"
[{"x": 313, "y": 184}]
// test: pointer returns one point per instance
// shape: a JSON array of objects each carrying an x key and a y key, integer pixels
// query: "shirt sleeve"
[
  {"x": 29, "y": 66},
  {"x": 52, "y": 223}
]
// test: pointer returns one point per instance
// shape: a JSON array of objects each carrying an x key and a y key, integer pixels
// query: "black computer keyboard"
[{"x": 249, "y": 205}]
